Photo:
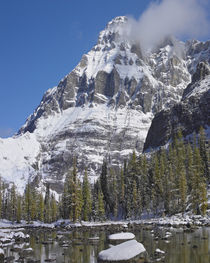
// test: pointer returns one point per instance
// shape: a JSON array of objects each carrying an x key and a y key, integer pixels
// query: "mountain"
[
  {"x": 102, "y": 109},
  {"x": 188, "y": 115}
]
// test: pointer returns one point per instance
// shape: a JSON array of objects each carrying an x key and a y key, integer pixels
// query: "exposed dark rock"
[
  {"x": 202, "y": 71},
  {"x": 188, "y": 115}
]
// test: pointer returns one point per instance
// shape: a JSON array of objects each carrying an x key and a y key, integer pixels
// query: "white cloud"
[{"x": 180, "y": 18}]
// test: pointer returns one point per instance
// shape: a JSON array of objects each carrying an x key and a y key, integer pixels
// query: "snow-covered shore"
[{"x": 178, "y": 220}]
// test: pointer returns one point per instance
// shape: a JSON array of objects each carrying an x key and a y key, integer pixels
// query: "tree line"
[{"x": 165, "y": 182}]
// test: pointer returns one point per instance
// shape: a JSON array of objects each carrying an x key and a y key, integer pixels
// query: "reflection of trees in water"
[{"x": 180, "y": 247}]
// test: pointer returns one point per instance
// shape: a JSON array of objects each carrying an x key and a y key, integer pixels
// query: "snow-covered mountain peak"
[
  {"x": 113, "y": 32},
  {"x": 104, "y": 107},
  {"x": 119, "y": 20}
]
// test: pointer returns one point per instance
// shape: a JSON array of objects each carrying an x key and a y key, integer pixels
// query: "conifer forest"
[{"x": 166, "y": 182}]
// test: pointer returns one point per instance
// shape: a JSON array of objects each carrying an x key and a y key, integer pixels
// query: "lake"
[{"x": 82, "y": 246}]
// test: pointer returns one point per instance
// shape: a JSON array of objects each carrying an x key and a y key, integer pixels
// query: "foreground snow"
[
  {"x": 122, "y": 236},
  {"x": 124, "y": 251}
]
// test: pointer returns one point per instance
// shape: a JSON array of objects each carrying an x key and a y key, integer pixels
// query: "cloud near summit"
[{"x": 180, "y": 18}]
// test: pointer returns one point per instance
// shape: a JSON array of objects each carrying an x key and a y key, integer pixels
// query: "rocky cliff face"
[
  {"x": 188, "y": 115},
  {"x": 103, "y": 108}
]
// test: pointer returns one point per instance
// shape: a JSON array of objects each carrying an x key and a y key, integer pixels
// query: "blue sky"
[{"x": 42, "y": 41}]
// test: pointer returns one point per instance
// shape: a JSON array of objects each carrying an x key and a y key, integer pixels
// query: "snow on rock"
[
  {"x": 10, "y": 235},
  {"x": 17, "y": 155},
  {"x": 122, "y": 236},
  {"x": 158, "y": 251},
  {"x": 167, "y": 235},
  {"x": 200, "y": 89},
  {"x": 124, "y": 251}
]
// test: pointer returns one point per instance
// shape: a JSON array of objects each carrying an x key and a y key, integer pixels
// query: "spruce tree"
[
  {"x": 115, "y": 195},
  {"x": 134, "y": 200},
  {"x": 65, "y": 199},
  {"x": 41, "y": 208},
  {"x": 203, "y": 153},
  {"x": 203, "y": 198},
  {"x": 197, "y": 180},
  {"x": 122, "y": 187},
  {"x": 27, "y": 201},
  {"x": 144, "y": 188},
  {"x": 19, "y": 209},
  {"x": 53, "y": 208},
  {"x": 33, "y": 205},
  {"x": 76, "y": 201},
  {"x": 47, "y": 211},
  {"x": 104, "y": 186},
  {"x": 158, "y": 185},
  {"x": 189, "y": 166},
  {"x": 95, "y": 192},
  {"x": 182, "y": 190},
  {"x": 13, "y": 202},
  {"x": 87, "y": 200},
  {"x": 100, "y": 206}
]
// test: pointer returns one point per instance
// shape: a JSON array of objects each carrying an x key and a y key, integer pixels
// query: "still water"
[{"x": 83, "y": 246}]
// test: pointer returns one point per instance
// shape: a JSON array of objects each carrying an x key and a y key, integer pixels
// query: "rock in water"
[
  {"x": 127, "y": 251},
  {"x": 122, "y": 236}
]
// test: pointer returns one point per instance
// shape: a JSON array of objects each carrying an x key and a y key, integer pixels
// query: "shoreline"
[{"x": 176, "y": 221}]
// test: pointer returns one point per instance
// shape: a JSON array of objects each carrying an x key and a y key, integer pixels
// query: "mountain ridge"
[{"x": 102, "y": 109}]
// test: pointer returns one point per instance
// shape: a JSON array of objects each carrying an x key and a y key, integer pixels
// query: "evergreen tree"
[
  {"x": 100, "y": 206},
  {"x": 28, "y": 202},
  {"x": 125, "y": 192},
  {"x": 158, "y": 186},
  {"x": 65, "y": 200},
  {"x": 53, "y": 208},
  {"x": 114, "y": 196},
  {"x": 181, "y": 171},
  {"x": 168, "y": 189},
  {"x": 76, "y": 196},
  {"x": 104, "y": 185},
  {"x": 196, "y": 180},
  {"x": 19, "y": 209},
  {"x": 134, "y": 200},
  {"x": 189, "y": 166},
  {"x": 13, "y": 202},
  {"x": 203, "y": 198},
  {"x": 144, "y": 186},
  {"x": 87, "y": 200},
  {"x": 33, "y": 204},
  {"x": 41, "y": 208},
  {"x": 183, "y": 190},
  {"x": 95, "y": 192},
  {"x": 122, "y": 186},
  {"x": 47, "y": 211},
  {"x": 203, "y": 153}
]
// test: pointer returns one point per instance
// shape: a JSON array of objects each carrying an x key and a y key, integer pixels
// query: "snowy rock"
[
  {"x": 122, "y": 236},
  {"x": 158, "y": 251},
  {"x": 126, "y": 251}
]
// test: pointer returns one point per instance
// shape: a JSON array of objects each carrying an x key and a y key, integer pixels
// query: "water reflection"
[{"x": 83, "y": 246}]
